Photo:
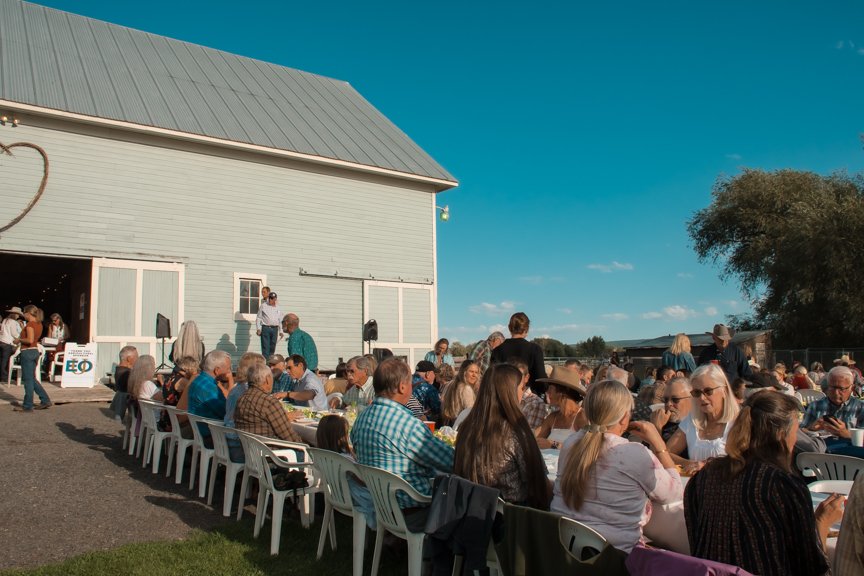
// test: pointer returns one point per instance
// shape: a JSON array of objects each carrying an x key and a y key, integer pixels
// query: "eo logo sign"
[{"x": 79, "y": 366}]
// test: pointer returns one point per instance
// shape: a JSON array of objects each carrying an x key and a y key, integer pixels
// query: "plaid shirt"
[
  {"x": 851, "y": 412},
  {"x": 482, "y": 354},
  {"x": 386, "y": 435},
  {"x": 360, "y": 395},
  {"x": 261, "y": 414},
  {"x": 283, "y": 383},
  {"x": 534, "y": 408}
]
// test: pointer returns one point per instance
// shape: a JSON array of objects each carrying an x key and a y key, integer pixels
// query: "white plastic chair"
[
  {"x": 55, "y": 366},
  {"x": 809, "y": 396},
  {"x": 201, "y": 455},
  {"x": 384, "y": 486},
  {"x": 285, "y": 460},
  {"x": 830, "y": 466},
  {"x": 582, "y": 542},
  {"x": 151, "y": 437},
  {"x": 831, "y": 487},
  {"x": 16, "y": 368},
  {"x": 131, "y": 420},
  {"x": 251, "y": 470},
  {"x": 334, "y": 469},
  {"x": 178, "y": 444},
  {"x": 222, "y": 456}
]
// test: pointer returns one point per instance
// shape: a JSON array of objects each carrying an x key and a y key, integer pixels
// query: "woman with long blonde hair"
[
  {"x": 188, "y": 343},
  {"x": 143, "y": 383},
  {"x": 605, "y": 480},
  {"x": 461, "y": 392},
  {"x": 678, "y": 356}
]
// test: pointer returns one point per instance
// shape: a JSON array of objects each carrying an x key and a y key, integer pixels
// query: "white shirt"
[
  {"x": 622, "y": 484},
  {"x": 699, "y": 449},
  {"x": 9, "y": 330},
  {"x": 309, "y": 381},
  {"x": 147, "y": 390}
]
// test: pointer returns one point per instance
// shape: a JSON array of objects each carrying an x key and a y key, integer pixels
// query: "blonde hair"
[
  {"x": 680, "y": 345},
  {"x": 143, "y": 371},
  {"x": 605, "y": 405},
  {"x": 247, "y": 361},
  {"x": 188, "y": 342},
  {"x": 715, "y": 374}
]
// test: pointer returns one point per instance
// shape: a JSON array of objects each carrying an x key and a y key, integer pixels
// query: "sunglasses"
[
  {"x": 673, "y": 400},
  {"x": 840, "y": 388},
  {"x": 706, "y": 391}
]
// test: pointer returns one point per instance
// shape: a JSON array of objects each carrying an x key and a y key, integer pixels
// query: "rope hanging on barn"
[{"x": 8, "y": 150}]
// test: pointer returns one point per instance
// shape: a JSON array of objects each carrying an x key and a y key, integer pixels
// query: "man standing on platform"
[
  {"x": 300, "y": 342},
  {"x": 482, "y": 353},
  {"x": 268, "y": 324},
  {"x": 725, "y": 354}
]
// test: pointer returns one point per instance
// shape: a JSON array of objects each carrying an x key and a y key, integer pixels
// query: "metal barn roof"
[{"x": 62, "y": 61}]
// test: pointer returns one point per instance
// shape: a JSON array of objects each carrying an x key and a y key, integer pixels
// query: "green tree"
[
  {"x": 593, "y": 347},
  {"x": 457, "y": 349},
  {"x": 552, "y": 348},
  {"x": 793, "y": 240}
]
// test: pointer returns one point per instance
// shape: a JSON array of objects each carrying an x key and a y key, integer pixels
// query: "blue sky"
[{"x": 583, "y": 136}]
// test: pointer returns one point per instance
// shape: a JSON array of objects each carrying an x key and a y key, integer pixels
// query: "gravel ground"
[{"x": 69, "y": 488}]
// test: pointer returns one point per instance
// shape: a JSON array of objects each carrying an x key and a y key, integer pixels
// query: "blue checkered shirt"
[
  {"x": 851, "y": 412},
  {"x": 283, "y": 383},
  {"x": 386, "y": 435}
]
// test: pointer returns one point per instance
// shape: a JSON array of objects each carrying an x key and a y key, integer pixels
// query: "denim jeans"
[
  {"x": 6, "y": 351},
  {"x": 29, "y": 359},
  {"x": 269, "y": 335}
]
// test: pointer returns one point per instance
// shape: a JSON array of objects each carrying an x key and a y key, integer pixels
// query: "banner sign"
[{"x": 79, "y": 365}]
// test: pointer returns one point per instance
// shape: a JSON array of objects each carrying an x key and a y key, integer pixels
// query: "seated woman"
[
  {"x": 186, "y": 369},
  {"x": 703, "y": 432},
  {"x": 496, "y": 447},
  {"x": 332, "y": 435},
  {"x": 58, "y": 330},
  {"x": 606, "y": 481},
  {"x": 241, "y": 385},
  {"x": 749, "y": 508},
  {"x": 144, "y": 384},
  {"x": 461, "y": 393},
  {"x": 564, "y": 390}
]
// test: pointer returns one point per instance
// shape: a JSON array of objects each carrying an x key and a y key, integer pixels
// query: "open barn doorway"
[{"x": 54, "y": 284}]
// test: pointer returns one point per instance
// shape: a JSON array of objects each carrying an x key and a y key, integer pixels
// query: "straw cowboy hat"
[
  {"x": 562, "y": 376},
  {"x": 844, "y": 359},
  {"x": 15, "y": 310},
  {"x": 721, "y": 331}
]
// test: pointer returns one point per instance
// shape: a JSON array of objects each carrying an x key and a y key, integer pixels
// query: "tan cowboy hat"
[
  {"x": 15, "y": 310},
  {"x": 844, "y": 358},
  {"x": 562, "y": 376},
  {"x": 721, "y": 331}
]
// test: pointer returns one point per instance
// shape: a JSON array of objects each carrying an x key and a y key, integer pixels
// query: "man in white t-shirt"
[
  {"x": 309, "y": 390},
  {"x": 10, "y": 330}
]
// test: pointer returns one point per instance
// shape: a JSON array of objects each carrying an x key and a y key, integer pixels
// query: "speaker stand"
[{"x": 163, "y": 364}]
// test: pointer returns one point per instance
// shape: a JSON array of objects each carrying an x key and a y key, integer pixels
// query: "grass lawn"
[{"x": 228, "y": 550}]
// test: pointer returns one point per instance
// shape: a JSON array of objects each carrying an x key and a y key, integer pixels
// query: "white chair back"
[
  {"x": 196, "y": 429},
  {"x": 334, "y": 469},
  {"x": 582, "y": 542},
  {"x": 252, "y": 450},
  {"x": 809, "y": 396},
  {"x": 830, "y": 466},
  {"x": 220, "y": 441},
  {"x": 384, "y": 486}
]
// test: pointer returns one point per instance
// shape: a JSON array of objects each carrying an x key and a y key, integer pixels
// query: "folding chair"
[
  {"x": 222, "y": 456},
  {"x": 201, "y": 455},
  {"x": 178, "y": 443},
  {"x": 153, "y": 439}
]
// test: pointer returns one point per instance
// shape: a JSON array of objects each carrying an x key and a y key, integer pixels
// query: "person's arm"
[
  {"x": 281, "y": 423},
  {"x": 301, "y": 395},
  {"x": 542, "y": 433},
  {"x": 811, "y": 421},
  {"x": 27, "y": 336},
  {"x": 676, "y": 445},
  {"x": 662, "y": 485}
]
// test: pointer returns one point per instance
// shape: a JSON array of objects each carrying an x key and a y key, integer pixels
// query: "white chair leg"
[
  {"x": 325, "y": 528},
  {"x": 228, "y": 499},
  {"x": 376, "y": 557},
  {"x": 276, "y": 524},
  {"x": 212, "y": 486},
  {"x": 157, "y": 454},
  {"x": 181, "y": 461},
  {"x": 193, "y": 473},
  {"x": 202, "y": 475},
  {"x": 415, "y": 553},
  {"x": 359, "y": 543},
  {"x": 244, "y": 487},
  {"x": 172, "y": 445},
  {"x": 260, "y": 511},
  {"x": 332, "y": 532}
]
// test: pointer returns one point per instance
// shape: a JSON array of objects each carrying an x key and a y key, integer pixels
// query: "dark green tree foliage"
[
  {"x": 795, "y": 241},
  {"x": 594, "y": 347}
]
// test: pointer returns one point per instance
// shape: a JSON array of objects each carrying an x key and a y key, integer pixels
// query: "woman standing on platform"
[
  {"x": 678, "y": 356},
  {"x": 28, "y": 340}
]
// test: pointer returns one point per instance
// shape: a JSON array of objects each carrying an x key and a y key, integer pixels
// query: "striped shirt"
[{"x": 386, "y": 435}]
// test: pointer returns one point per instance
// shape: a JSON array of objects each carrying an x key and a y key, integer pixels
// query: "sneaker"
[{"x": 43, "y": 406}]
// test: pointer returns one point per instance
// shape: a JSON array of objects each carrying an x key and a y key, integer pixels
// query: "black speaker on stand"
[
  {"x": 370, "y": 332},
  {"x": 163, "y": 331}
]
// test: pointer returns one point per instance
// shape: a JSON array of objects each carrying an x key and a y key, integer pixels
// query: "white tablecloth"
[{"x": 307, "y": 432}]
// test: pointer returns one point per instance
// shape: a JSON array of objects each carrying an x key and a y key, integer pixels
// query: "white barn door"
[
  {"x": 126, "y": 296},
  {"x": 405, "y": 314}
]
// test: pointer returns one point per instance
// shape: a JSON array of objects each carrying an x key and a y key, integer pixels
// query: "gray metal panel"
[{"x": 67, "y": 62}]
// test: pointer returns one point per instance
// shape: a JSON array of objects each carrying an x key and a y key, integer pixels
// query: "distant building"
[
  {"x": 648, "y": 352},
  {"x": 183, "y": 179}
]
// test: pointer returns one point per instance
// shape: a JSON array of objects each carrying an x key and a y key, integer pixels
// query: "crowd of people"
[{"x": 624, "y": 442}]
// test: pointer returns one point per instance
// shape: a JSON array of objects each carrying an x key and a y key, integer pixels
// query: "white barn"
[{"x": 181, "y": 179}]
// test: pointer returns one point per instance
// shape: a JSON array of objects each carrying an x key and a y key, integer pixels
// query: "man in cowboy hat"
[
  {"x": 727, "y": 355},
  {"x": 10, "y": 330}
]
